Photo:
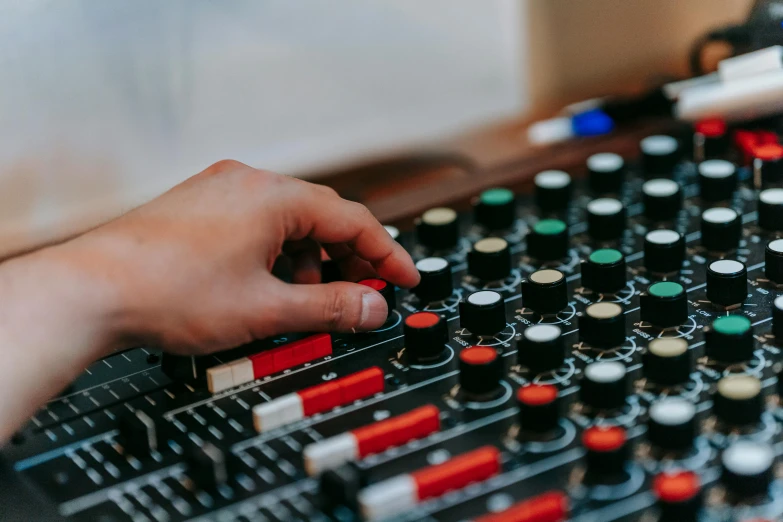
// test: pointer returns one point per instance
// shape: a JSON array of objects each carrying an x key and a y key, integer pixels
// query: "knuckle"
[
  {"x": 225, "y": 165},
  {"x": 363, "y": 214}
]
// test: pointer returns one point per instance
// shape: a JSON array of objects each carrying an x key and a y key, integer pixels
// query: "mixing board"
[{"x": 603, "y": 349}]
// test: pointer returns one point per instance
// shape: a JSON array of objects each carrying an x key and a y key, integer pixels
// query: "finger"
[
  {"x": 325, "y": 217},
  {"x": 352, "y": 267},
  {"x": 337, "y": 306},
  {"x": 306, "y": 257}
]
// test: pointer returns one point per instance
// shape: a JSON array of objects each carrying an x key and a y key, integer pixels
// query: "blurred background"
[{"x": 105, "y": 104}]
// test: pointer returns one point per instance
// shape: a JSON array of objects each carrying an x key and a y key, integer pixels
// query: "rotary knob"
[
  {"x": 539, "y": 409},
  {"x": 672, "y": 424},
  {"x": 767, "y": 165},
  {"x": 667, "y": 361},
  {"x": 552, "y": 190},
  {"x": 490, "y": 259},
  {"x": 606, "y": 172},
  {"x": 679, "y": 496},
  {"x": 727, "y": 282},
  {"x": 605, "y": 219},
  {"x": 604, "y": 271},
  {"x": 541, "y": 348},
  {"x": 717, "y": 180},
  {"x": 604, "y": 386},
  {"x": 662, "y": 199},
  {"x": 386, "y": 290},
  {"x": 545, "y": 291},
  {"x": 602, "y": 325},
  {"x": 721, "y": 229},
  {"x": 773, "y": 261},
  {"x": 606, "y": 454},
  {"x": 483, "y": 313},
  {"x": 738, "y": 400},
  {"x": 747, "y": 469},
  {"x": 660, "y": 154},
  {"x": 770, "y": 208},
  {"x": 480, "y": 371},
  {"x": 664, "y": 304},
  {"x": 729, "y": 339},
  {"x": 426, "y": 335},
  {"x": 777, "y": 318},
  {"x": 664, "y": 251},
  {"x": 548, "y": 240},
  {"x": 438, "y": 229},
  {"x": 495, "y": 209},
  {"x": 436, "y": 280}
]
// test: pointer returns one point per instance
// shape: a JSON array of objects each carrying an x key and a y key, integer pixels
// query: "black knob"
[
  {"x": 207, "y": 466},
  {"x": 721, "y": 229},
  {"x": 672, "y": 424},
  {"x": 386, "y": 290},
  {"x": 729, "y": 339},
  {"x": 717, "y": 180},
  {"x": 773, "y": 261},
  {"x": 604, "y": 386},
  {"x": 436, "y": 280},
  {"x": 662, "y": 199},
  {"x": 777, "y": 318},
  {"x": 602, "y": 325},
  {"x": 553, "y": 190},
  {"x": 438, "y": 229},
  {"x": 747, "y": 469},
  {"x": 767, "y": 165},
  {"x": 187, "y": 368},
  {"x": 548, "y": 240},
  {"x": 426, "y": 335},
  {"x": 710, "y": 138},
  {"x": 664, "y": 304},
  {"x": 605, "y": 219},
  {"x": 490, "y": 259},
  {"x": 660, "y": 154},
  {"x": 545, "y": 291},
  {"x": 727, "y": 282},
  {"x": 541, "y": 348},
  {"x": 607, "y": 453},
  {"x": 480, "y": 371},
  {"x": 667, "y": 361},
  {"x": 664, "y": 251},
  {"x": 138, "y": 433},
  {"x": 539, "y": 408},
  {"x": 604, "y": 271},
  {"x": 738, "y": 400},
  {"x": 495, "y": 209},
  {"x": 770, "y": 208},
  {"x": 679, "y": 496},
  {"x": 607, "y": 173},
  {"x": 483, "y": 313}
]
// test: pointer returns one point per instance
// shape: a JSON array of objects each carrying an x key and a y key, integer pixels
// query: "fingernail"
[{"x": 374, "y": 311}]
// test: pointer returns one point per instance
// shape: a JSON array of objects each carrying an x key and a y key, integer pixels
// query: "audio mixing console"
[{"x": 606, "y": 349}]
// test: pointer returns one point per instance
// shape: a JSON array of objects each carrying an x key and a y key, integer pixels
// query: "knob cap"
[
  {"x": 495, "y": 209},
  {"x": 747, "y": 469},
  {"x": 664, "y": 304},
  {"x": 490, "y": 259},
  {"x": 539, "y": 408},
  {"x": 777, "y": 318},
  {"x": 480, "y": 371},
  {"x": 604, "y": 271},
  {"x": 603, "y": 325},
  {"x": 667, "y": 361},
  {"x": 672, "y": 424},
  {"x": 710, "y": 138},
  {"x": 770, "y": 208},
  {"x": 606, "y": 219},
  {"x": 541, "y": 348},
  {"x": 767, "y": 165},
  {"x": 604, "y": 385},
  {"x": 773, "y": 261},
  {"x": 660, "y": 154},
  {"x": 426, "y": 335},
  {"x": 606, "y": 172},
  {"x": 548, "y": 240},
  {"x": 738, "y": 400},
  {"x": 438, "y": 229},
  {"x": 436, "y": 280},
  {"x": 483, "y": 313},
  {"x": 386, "y": 290},
  {"x": 662, "y": 199},
  {"x": 664, "y": 251},
  {"x": 729, "y": 339},
  {"x": 607, "y": 453},
  {"x": 553, "y": 190},
  {"x": 545, "y": 291},
  {"x": 727, "y": 282},
  {"x": 679, "y": 496},
  {"x": 721, "y": 229},
  {"x": 138, "y": 433},
  {"x": 717, "y": 180}
]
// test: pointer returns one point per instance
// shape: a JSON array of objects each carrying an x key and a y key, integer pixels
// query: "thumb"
[{"x": 337, "y": 306}]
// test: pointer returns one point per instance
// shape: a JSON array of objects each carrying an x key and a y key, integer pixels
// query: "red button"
[
  {"x": 676, "y": 487},
  {"x": 422, "y": 320},
  {"x": 711, "y": 127},
  {"x": 768, "y": 152},
  {"x": 603, "y": 438},
  {"x": 478, "y": 355},
  {"x": 537, "y": 394},
  {"x": 375, "y": 284}
]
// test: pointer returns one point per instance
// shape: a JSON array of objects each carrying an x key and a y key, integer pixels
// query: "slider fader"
[{"x": 605, "y": 349}]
